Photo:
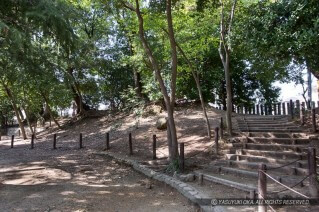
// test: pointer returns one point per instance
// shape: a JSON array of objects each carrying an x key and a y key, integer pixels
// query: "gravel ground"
[{"x": 69, "y": 179}]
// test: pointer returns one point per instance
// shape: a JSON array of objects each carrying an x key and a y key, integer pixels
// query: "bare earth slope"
[{"x": 70, "y": 179}]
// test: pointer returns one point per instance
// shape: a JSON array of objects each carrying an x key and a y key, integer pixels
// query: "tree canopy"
[{"x": 57, "y": 53}]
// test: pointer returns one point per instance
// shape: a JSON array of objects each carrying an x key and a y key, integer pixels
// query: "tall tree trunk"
[
  {"x": 137, "y": 83},
  {"x": 224, "y": 53},
  {"x": 199, "y": 89},
  {"x": 229, "y": 97},
  {"x": 172, "y": 42},
  {"x": 170, "y": 110},
  {"x": 21, "y": 114},
  {"x": 49, "y": 109},
  {"x": 137, "y": 76},
  {"x": 15, "y": 108},
  {"x": 77, "y": 95},
  {"x": 28, "y": 120}
]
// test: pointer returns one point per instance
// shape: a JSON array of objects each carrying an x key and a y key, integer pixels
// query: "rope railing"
[
  {"x": 312, "y": 176},
  {"x": 276, "y": 192},
  {"x": 279, "y": 167},
  {"x": 287, "y": 187},
  {"x": 271, "y": 208}
]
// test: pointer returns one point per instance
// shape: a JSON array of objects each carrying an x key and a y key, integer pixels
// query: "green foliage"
[
  {"x": 173, "y": 166},
  {"x": 132, "y": 101},
  {"x": 64, "y": 49}
]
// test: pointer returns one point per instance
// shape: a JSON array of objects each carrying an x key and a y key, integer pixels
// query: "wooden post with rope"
[
  {"x": 313, "y": 184},
  {"x": 262, "y": 187},
  {"x": 216, "y": 139}
]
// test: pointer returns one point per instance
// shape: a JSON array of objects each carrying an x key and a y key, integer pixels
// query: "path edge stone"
[{"x": 188, "y": 191}]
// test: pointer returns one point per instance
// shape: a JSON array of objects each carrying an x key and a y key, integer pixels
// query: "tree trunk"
[
  {"x": 137, "y": 76},
  {"x": 28, "y": 120},
  {"x": 49, "y": 110},
  {"x": 21, "y": 114},
  {"x": 170, "y": 111},
  {"x": 15, "y": 108},
  {"x": 224, "y": 53},
  {"x": 137, "y": 83},
  {"x": 199, "y": 89},
  {"x": 229, "y": 97},
  {"x": 172, "y": 42},
  {"x": 77, "y": 96}
]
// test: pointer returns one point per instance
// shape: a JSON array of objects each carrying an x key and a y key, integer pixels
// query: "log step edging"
[
  {"x": 229, "y": 183},
  {"x": 286, "y": 179},
  {"x": 243, "y": 164}
]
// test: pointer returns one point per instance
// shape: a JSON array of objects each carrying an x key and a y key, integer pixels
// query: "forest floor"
[{"x": 73, "y": 179}]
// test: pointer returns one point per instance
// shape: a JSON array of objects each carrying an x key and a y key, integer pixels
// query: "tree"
[
  {"x": 224, "y": 51},
  {"x": 169, "y": 101},
  {"x": 283, "y": 32}
]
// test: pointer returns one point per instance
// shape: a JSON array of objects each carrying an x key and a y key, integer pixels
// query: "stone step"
[
  {"x": 277, "y": 135},
  {"x": 268, "y": 125},
  {"x": 227, "y": 181},
  {"x": 243, "y": 123},
  {"x": 280, "y": 155},
  {"x": 248, "y": 184},
  {"x": 291, "y": 141},
  {"x": 253, "y": 166},
  {"x": 254, "y": 173},
  {"x": 272, "y": 154},
  {"x": 253, "y": 158},
  {"x": 275, "y": 117},
  {"x": 271, "y": 147},
  {"x": 269, "y": 130},
  {"x": 263, "y": 121}
]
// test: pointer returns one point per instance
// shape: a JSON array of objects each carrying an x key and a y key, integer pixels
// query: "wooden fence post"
[
  {"x": 32, "y": 141},
  {"x": 216, "y": 139},
  {"x": 12, "y": 141},
  {"x": 313, "y": 118},
  {"x": 279, "y": 108},
  {"x": 130, "y": 144},
  {"x": 257, "y": 109},
  {"x": 261, "y": 110},
  {"x": 297, "y": 107},
  {"x": 54, "y": 141},
  {"x": 181, "y": 157},
  {"x": 313, "y": 184},
  {"x": 291, "y": 109},
  {"x": 107, "y": 141},
  {"x": 81, "y": 144},
  {"x": 254, "y": 109},
  {"x": 275, "y": 109},
  {"x": 262, "y": 187},
  {"x": 154, "y": 147},
  {"x": 308, "y": 104},
  {"x": 302, "y": 114},
  {"x": 270, "y": 109},
  {"x": 221, "y": 129}
]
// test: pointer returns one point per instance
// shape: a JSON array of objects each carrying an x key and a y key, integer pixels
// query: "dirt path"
[{"x": 43, "y": 179}]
